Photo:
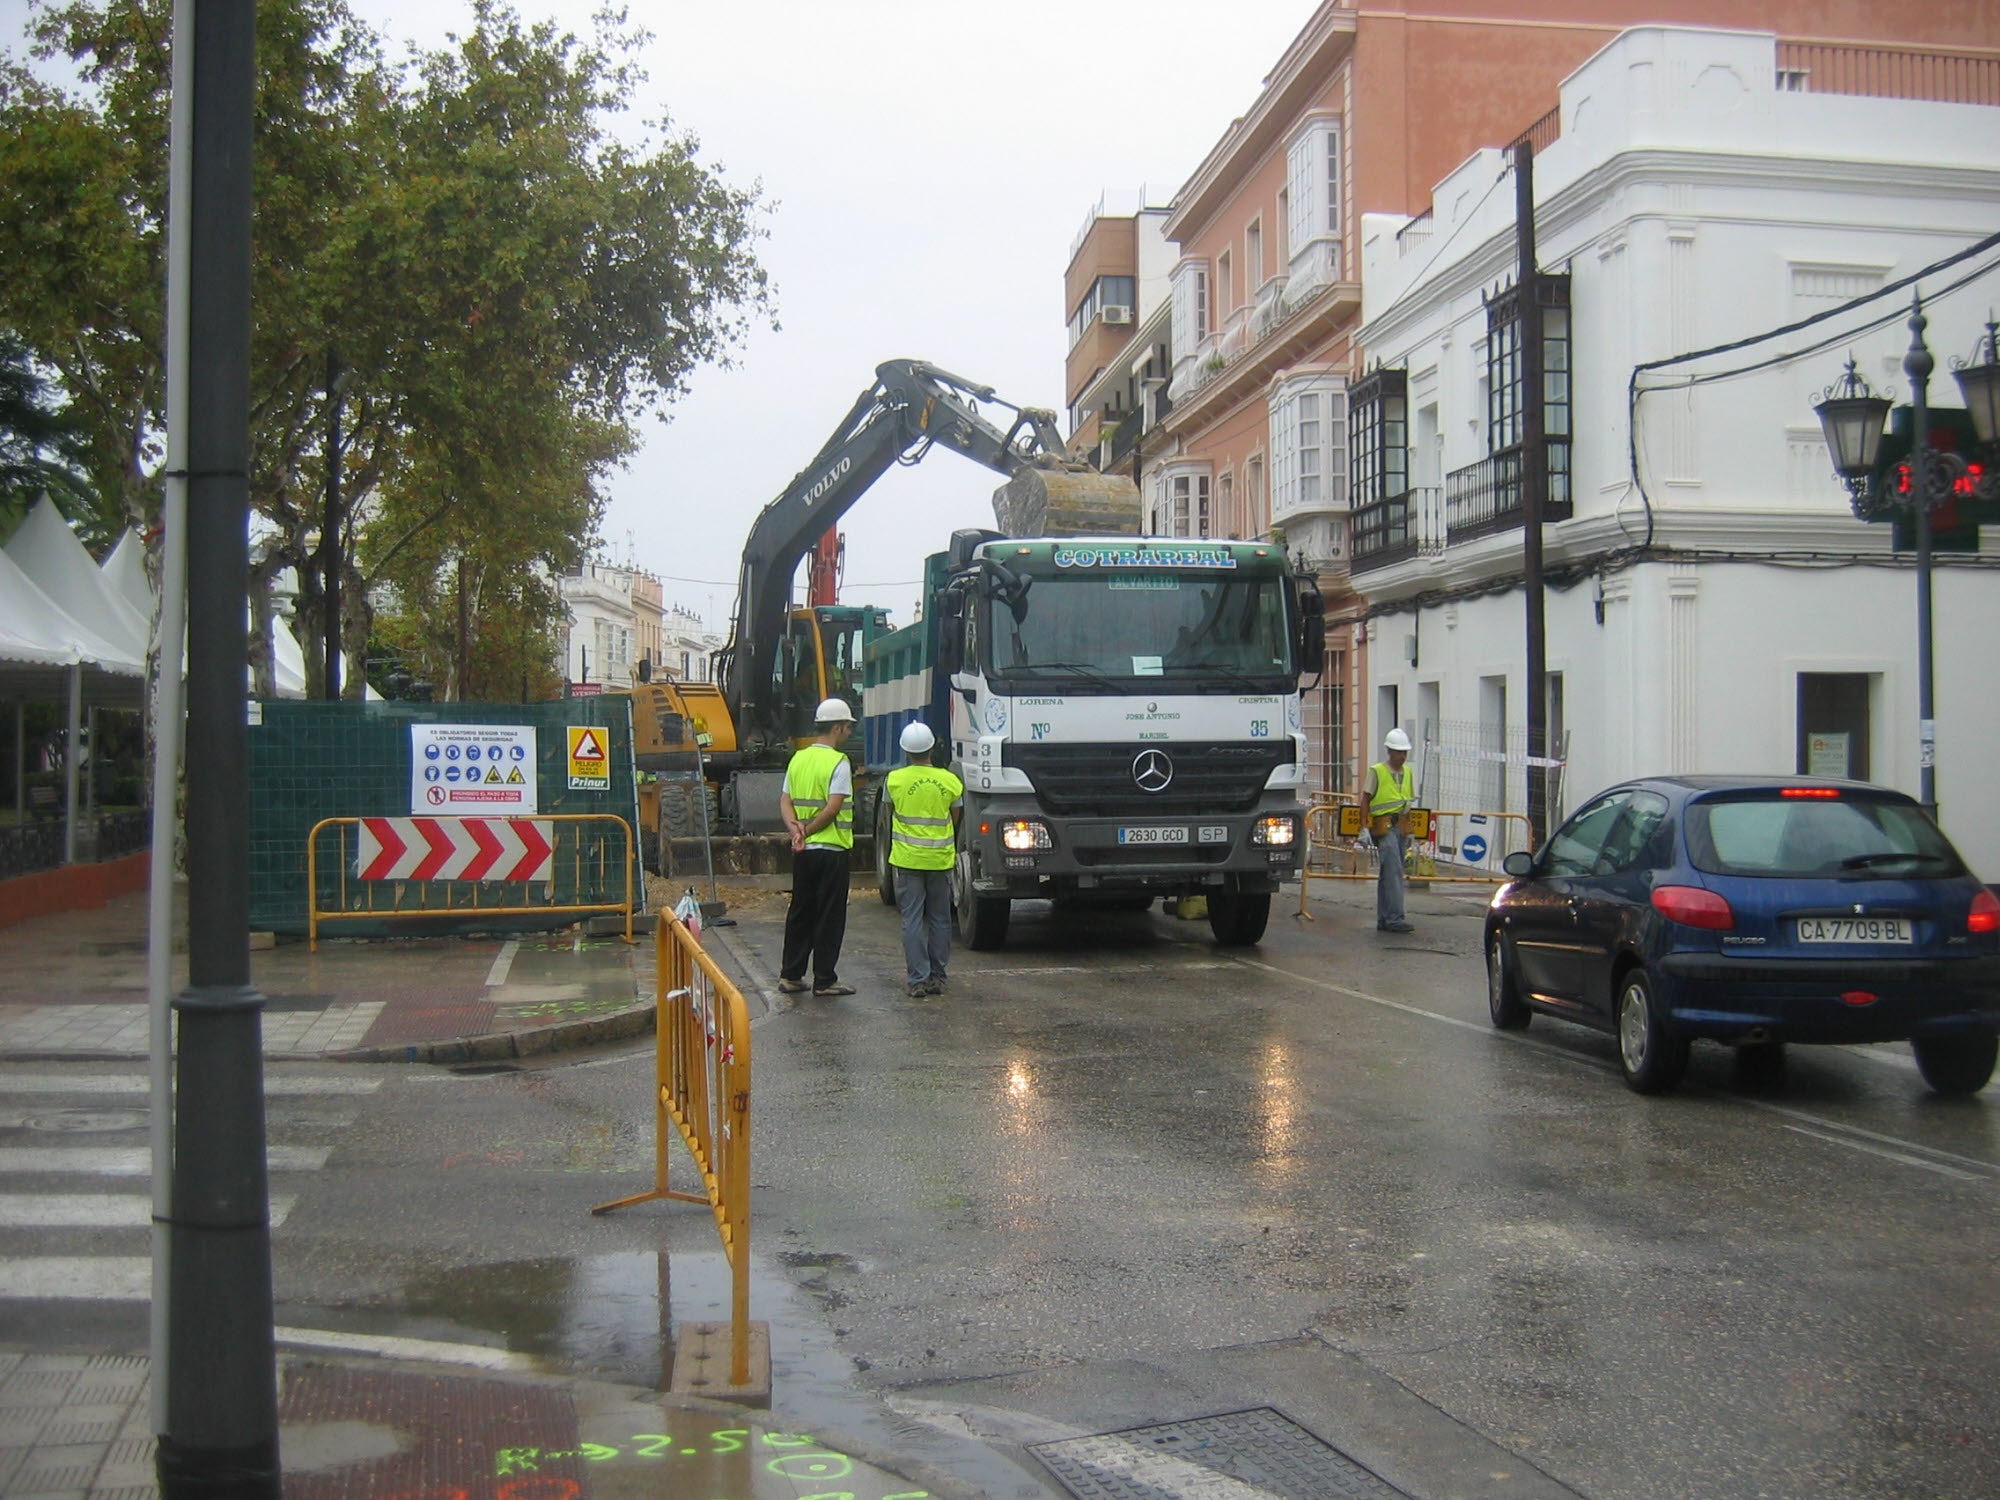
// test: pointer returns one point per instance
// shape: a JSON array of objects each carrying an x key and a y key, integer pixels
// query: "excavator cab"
[{"x": 821, "y": 657}]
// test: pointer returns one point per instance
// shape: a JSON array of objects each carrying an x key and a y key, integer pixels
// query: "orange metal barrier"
[
  {"x": 583, "y": 872},
  {"x": 702, "y": 1086}
]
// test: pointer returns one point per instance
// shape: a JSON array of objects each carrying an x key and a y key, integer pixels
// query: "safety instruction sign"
[
  {"x": 589, "y": 765},
  {"x": 472, "y": 770}
]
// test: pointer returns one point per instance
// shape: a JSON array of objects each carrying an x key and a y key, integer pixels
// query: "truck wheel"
[
  {"x": 681, "y": 816},
  {"x": 885, "y": 873},
  {"x": 1236, "y": 918},
  {"x": 979, "y": 921}
]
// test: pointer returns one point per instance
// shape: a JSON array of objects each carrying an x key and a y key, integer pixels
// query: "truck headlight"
[
  {"x": 1023, "y": 833},
  {"x": 1277, "y": 832}
]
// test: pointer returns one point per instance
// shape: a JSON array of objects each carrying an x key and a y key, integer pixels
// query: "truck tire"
[
  {"x": 1237, "y": 919},
  {"x": 979, "y": 922},
  {"x": 885, "y": 873},
  {"x": 681, "y": 816}
]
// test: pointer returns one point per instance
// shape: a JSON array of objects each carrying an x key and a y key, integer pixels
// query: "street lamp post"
[{"x": 1852, "y": 416}]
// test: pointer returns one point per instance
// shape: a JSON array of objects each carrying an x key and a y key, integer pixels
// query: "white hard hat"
[
  {"x": 833, "y": 711},
  {"x": 917, "y": 738},
  {"x": 1396, "y": 740}
]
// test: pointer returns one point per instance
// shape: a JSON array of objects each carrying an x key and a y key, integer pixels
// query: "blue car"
[{"x": 1754, "y": 911}]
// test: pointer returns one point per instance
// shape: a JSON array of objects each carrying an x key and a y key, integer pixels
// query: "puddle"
[{"x": 610, "y": 1317}]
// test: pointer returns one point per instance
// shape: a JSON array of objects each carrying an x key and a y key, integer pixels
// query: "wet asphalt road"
[{"x": 1117, "y": 1177}]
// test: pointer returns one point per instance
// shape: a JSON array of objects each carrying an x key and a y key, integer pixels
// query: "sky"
[{"x": 928, "y": 166}]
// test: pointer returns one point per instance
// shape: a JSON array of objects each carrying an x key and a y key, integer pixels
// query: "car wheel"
[
  {"x": 1503, "y": 996},
  {"x": 1957, "y": 1064},
  {"x": 1652, "y": 1057}
]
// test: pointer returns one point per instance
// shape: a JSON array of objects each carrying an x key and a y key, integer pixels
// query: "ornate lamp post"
[{"x": 1852, "y": 417}]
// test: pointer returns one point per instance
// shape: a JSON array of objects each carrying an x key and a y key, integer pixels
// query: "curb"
[{"x": 498, "y": 1046}]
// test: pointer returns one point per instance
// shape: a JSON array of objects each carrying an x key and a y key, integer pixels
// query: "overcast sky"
[{"x": 930, "y": 164}]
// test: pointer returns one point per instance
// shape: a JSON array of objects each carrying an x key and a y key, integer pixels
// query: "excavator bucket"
[{"x": 1067, "y": 502}]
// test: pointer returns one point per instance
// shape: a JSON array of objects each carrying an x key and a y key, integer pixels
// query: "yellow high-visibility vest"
[
  {"x": 808, "y": 778},
  {"x": 920, "y": 804},
  {"x": 1393, "y": 793}
]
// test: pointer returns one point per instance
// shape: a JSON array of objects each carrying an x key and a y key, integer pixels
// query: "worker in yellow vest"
[
  {"x": 1388, "y": 791},
  {"x": 924, "y": 806},
  {"x": 818, "y": 808}
]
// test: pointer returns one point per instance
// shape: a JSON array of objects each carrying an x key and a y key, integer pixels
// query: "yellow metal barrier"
[
  {"x": 578, "y": 868},
  {"x": 702, "y": 1085},
  {"x": 1334, "y": 825}
]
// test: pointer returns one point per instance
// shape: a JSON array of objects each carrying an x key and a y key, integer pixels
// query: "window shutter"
[{"x": 1301, "y": 191}]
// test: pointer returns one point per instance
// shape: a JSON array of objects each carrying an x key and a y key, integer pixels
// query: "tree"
[
  {"x": 43, "y": 448},
  {"x": 460, "y": 238}
]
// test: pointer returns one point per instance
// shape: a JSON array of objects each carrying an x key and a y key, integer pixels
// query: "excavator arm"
[{"x": 911, "y": 407}]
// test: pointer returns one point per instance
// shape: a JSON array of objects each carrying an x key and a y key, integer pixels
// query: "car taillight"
[
  {"x": 1985, "y": 913},
  {"x": 1692, "y": 906}
]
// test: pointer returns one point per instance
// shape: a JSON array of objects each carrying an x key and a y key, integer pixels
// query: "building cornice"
[{"x": 1310, "y": 60}]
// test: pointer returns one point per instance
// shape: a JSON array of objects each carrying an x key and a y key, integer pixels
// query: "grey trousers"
[
  {"x": 923, "y": 897},
  {"x": 1389, "y": 880}
]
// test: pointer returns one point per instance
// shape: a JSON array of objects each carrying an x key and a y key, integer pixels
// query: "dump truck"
[
  {"x": 1124, "y": 712},
  {"x": 717, "y": 752}
]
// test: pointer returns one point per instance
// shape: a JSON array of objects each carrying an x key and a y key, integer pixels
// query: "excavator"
[{"x": 782, "y": 661}]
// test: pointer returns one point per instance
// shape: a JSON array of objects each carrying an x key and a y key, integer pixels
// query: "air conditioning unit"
[{"x": 1115, "y": 314}]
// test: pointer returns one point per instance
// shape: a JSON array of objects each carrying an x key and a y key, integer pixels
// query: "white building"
[{"x": 1714, "y": 605}]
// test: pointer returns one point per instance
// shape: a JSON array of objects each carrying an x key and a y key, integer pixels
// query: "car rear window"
[{"x": 1767, "y": 833}]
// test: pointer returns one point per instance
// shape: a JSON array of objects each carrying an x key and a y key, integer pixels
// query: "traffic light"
[{"x": 1955, "y": 522}]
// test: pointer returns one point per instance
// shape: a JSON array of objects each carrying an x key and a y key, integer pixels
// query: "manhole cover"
[{"x": 1241, "y": 1455}]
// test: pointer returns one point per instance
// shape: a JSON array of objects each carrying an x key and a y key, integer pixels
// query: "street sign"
[
  {"x": 589, "y": 765},
  {"x": 472, "y": 770},
  {"x": 454, "y": 849}
]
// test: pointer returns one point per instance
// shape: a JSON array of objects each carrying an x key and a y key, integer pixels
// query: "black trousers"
[{"x": 817, "y": 919}]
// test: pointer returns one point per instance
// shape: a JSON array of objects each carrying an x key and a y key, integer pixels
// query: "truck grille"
[{"x": 1226, "y": 777}]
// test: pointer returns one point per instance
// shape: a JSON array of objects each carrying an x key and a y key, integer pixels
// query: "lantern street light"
[{"x": 1852, "y": 417}]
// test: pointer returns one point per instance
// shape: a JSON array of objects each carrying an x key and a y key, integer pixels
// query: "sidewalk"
[
  {"x": 73, "y": 986},
  {"x": 78, "y": 1427}
]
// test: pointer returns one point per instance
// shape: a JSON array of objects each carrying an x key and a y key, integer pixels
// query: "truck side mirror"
[
  {"x": 1312, "y": 629},
  {"x": 949, "y": 619}
]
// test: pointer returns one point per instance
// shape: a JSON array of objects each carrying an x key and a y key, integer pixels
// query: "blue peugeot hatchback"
[{"x": 1753, "y": 911}]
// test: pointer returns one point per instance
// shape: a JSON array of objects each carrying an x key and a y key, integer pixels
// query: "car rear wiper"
[{"x": 1890, "y": 857}]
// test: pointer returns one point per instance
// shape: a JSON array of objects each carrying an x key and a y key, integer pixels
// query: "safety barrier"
[
  {"x": 702, "y": 1086},
  {"x": 1447, "y": 847},
  {"x": 470, "y": 867}
]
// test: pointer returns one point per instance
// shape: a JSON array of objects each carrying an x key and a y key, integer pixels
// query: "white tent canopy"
[{"x": 49, "y": 552}]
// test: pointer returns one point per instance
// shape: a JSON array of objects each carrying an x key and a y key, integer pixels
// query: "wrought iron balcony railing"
[{"x": 1485, "y": 497}]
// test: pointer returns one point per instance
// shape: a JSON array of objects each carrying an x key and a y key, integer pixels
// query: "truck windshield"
[{"x": 1207, "y": 631}]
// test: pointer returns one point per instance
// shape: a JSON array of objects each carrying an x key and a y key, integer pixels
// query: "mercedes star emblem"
[{"x": 1152, "y": 770}]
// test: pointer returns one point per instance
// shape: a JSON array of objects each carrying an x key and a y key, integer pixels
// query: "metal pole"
[
  {"x": 221, "y": 1435},
  {"x": 1534, "y": 483},
  {"x": 1918, "y": 364},
  {"x": 72, "y": 753},
  {"x": 329, "y": 534}
]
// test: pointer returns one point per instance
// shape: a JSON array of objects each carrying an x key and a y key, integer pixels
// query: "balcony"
[
  {"x": 1399, "y": 528},
  {"x": 1485, "y": 497}
]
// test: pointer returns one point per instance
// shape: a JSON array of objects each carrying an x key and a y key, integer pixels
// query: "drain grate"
[{"x": 1240, "y": 1455}]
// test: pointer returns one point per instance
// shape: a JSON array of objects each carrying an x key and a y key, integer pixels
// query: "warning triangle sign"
[
  {"x": 588, "y": 746},
  {"x": 517, "y": 779},
  {"x": 493, "y": 777}
]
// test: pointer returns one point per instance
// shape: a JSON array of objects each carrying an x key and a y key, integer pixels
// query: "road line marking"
[
  {"x": 78, "y": 1278},
  {"x": 480, "y": 1355},
  {"x": 97, "y": 1210},
  {"x": 497, "y": 975},
  {"x": 137, "y": 1161},
  {"x": 41, "y": 1081},
  {"x": 1383, "y": 1001},
  {"x": 1895, "y": 1156},
  {"x": 1979, "y": 1169}
]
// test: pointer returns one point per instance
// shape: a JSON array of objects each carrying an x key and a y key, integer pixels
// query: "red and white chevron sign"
[{"x": 454, "y": 849}]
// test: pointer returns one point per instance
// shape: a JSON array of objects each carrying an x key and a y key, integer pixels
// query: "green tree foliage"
[
  {"x": 458, "y": 251},
  {"x": 43, "y": 448}
]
